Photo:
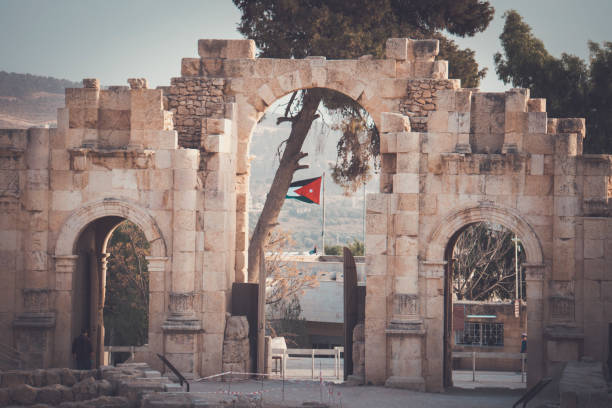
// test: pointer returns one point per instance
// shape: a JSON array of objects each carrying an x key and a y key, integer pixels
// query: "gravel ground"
[{"x": 341, "y": 395}]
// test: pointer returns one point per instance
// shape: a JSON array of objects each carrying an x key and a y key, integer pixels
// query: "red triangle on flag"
[{"x": 311, "y": 191}]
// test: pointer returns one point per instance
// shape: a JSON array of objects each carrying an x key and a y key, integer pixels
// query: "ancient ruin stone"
[
  {"x": 10, "y": 378},
  {"x": 138, "y": 83},
  {"x": 358, "y": 332},
  {"x": 100, "y": 402},
  {"x": 91, "y": 83},
  {"x": 235, "y": 350},
  {"x": 85, "y": 389},
  {"x": 53, "y": 376},
  {"x": 68, "y": 378},
  {"x": 4, "y": 397},
  {"x": 237, "y": 327},
  {"x": 23, "y": 394},
  {"x": 51, "y": 394},
  {"x": 450, "y": 157},
  {"x": 38, "y": 378},
  {"x": 105, "y": 387}
]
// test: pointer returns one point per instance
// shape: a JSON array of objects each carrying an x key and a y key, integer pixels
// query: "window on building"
[{"x": 480, "y": 334}]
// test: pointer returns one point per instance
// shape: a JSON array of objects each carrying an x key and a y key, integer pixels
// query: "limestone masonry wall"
[
  {"x": 175, "y": 161},
  {"x": 191, "y": 100}
]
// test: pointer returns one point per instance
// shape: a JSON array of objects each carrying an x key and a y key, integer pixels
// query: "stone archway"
[
  {"x": 109, "y": 207},
  {"x": 437, "y": 270},
  {"x": 97, "y": 220}
]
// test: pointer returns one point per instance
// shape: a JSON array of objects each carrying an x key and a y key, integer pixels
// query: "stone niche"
[{"x": 33, "y": 328}]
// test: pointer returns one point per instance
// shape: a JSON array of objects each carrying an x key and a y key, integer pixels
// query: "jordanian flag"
[{"x": 307, "y": 190}]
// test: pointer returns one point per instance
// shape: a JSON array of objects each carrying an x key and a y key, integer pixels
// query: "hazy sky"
[{"x": 118, "y": 39}]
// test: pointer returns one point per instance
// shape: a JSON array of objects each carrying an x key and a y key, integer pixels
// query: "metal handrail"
[
  {"x": 532, "y": 392},
  {"x": 175, "y": 371},
  {"x": 493, "y": 354}
]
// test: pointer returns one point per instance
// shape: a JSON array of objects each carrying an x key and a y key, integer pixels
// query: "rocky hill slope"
[{"x": 30, "y": 100}]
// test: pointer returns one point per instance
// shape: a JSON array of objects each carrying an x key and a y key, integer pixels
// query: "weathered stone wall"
[
  {"x": 450, "y": 157},
  {"x": 421, "y": 100},
  {"x": 192, "y": 100}
]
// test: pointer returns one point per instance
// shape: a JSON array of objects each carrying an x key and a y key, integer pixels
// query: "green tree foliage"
[
  {"x": 341, "y": 29},
  {"x": 572, "y": 88},
  {"x": 126, "y": 317},
  {"x": 484, "y": 267},
  {"x": 356, "y": 247},
  {"x": 333, "y": 249}
]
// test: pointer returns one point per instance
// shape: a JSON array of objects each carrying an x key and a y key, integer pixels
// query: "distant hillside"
[{"x": 30, "y": 100}]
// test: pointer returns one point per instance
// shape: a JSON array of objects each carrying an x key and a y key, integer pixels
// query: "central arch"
[{"x": 437, "y": 253}]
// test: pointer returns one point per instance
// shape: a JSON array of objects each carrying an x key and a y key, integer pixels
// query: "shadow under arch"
[
  {"x": 439, "y": 251},
  {"x": 80, "y": 269}
]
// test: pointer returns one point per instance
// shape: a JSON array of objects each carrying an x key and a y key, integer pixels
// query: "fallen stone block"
[
  {"x": 68, "y": 378},
  {"x": 23, "y": 394},
  {"x": 51, "y": 395},
  {"x": 10, "y": 378},
  {"x": 101, "y": 402},
  {"x": 85, "y": 389}
]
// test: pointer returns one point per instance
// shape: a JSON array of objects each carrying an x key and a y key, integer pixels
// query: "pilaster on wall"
[
  {"x": 567, "y": 205},
  {"x": 65, "y": 268},
  {"x": 182, "y": 324},
  {"x": 392, "y": 240},
  {"x": 432, "y": 281},
  {"x": 224, "y": 234},
  {"x": 33, "y": 328},
  {"x": 536, "y": 311}
]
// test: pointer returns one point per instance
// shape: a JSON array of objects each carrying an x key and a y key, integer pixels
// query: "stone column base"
[
  {"x": 34, "y": 339},
  {"x": 407, "y": 383}
]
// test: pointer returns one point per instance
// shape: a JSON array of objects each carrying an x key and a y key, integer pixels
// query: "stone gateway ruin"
[{"x": 174, "y": 161}]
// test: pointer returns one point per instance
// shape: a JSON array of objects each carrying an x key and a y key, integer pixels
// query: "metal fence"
[
  {"x": 474, "y": 355},
  {"x": 281, "y": 356}
]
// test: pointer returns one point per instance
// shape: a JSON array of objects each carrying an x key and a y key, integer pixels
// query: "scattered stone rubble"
[
  {"x": 122, "y": 386},
  {"x": 582, "y": 384},
  {"x": 193, "y": 400}
]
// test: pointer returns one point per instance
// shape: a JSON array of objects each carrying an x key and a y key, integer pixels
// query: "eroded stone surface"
[{"x": 175, "y": 161}]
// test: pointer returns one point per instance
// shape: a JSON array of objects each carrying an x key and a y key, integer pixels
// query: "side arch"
[
  {"x": 82, "y": 217},
  {"x": 509, "y": 218}
]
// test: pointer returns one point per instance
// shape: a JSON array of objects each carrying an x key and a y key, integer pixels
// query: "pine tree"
[{"x": 341, "y": 29}]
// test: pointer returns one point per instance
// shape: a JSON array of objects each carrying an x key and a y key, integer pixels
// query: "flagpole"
[
  {"x": 364, "y": 216},
  {"x": 323, "y": 231}
]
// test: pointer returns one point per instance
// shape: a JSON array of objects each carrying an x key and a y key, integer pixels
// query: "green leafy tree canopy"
[{"x": 572, "y": 87}]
